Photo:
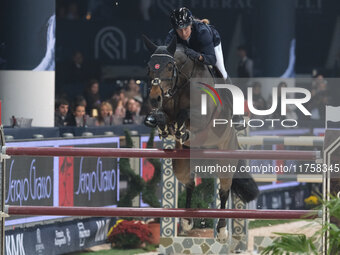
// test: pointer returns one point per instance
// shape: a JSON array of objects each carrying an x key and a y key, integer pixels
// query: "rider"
[
  {"x": 203, "y": 44},
  {"x": 202, "y": 41}
]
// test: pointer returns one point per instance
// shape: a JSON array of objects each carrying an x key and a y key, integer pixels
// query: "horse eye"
[{"x": 170, "y": 68}]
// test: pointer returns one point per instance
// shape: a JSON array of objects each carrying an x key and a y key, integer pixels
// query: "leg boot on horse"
[{"x": 181, "y": 168}]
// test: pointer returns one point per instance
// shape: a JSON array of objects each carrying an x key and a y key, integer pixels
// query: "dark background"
[{"x": 23, "y": 28}]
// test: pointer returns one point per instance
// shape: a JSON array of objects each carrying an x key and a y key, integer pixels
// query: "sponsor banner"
[
  {"x": 57, "y": 238},
  {"x": 95, "y": 179},
  {"x": 62, "y": 181},
  {"x": 29, "y": 181}
]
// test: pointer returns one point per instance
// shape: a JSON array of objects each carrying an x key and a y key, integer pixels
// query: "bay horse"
[{"x": 173, "y": 76}]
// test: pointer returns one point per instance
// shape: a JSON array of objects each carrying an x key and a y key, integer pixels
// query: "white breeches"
[{"x": 220, "y": 61}]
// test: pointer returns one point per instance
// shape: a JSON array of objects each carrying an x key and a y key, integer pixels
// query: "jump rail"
[
  {"x": 307, "y": 141},
  {"x": 160, "y": 153},
  {"x": 162, "y": 212}
]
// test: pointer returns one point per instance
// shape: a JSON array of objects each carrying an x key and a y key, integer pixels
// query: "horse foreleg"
[
  {"x": 188, "y": 223},
  {"x": 157, "y": 118},
  {"x": 181, "y": 133},
  {"x": 163, "y": 129}
]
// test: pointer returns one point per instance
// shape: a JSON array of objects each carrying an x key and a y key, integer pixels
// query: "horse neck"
[{"x": 184, "y": 64}]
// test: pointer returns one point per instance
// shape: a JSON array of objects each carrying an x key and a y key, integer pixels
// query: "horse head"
[{"x": 162, "y": 71}]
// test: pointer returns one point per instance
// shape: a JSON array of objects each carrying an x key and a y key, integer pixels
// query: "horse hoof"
[
  {"x": 222, "y": 235},
  {"x": 187, "y": 224},
  {"x": 162, "y": 133}
]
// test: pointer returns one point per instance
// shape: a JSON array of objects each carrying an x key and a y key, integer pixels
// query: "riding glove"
[{"x": 194, "y": 55}]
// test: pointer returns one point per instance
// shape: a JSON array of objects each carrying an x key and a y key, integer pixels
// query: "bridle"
[
  {"x": 158, "y": 80},
  {"x": 174, "y": 77}
]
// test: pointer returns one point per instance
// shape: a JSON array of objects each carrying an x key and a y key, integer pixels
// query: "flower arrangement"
[{"x": 129, "y": 234}]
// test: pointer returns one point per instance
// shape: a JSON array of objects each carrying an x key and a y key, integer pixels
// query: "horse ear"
[
  {"x": 172, "y": 46},
  {"x": 150, "y": 45}
]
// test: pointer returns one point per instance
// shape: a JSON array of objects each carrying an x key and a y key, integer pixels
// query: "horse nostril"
[{"x": 159, "y": 98}]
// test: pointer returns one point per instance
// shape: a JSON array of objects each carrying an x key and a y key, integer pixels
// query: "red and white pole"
[{"x": 162, "y": 212}]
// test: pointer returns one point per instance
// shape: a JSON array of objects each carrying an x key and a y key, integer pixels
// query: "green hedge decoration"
[
  {"x": 136, "y": 184},
  {"x": 149, "y": 192},
  {"x": 202, "y": 197}
]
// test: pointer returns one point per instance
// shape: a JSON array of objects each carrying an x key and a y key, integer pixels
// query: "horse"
[{"x": 173, "y": 75}]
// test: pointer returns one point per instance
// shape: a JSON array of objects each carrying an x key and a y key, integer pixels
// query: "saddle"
[{"x": 215, "y": 73}]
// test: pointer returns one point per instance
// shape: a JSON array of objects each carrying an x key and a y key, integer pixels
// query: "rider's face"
[{"x": 184, "y": 33}]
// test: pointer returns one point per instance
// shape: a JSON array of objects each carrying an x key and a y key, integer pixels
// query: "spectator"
[
  {"x": 117, "y": 96},
  {"x": 120, "y": 110},
  {"x": 138, "y": 103},
  {"x": 118, "y": 100},
  {"x": 290, "y": 109},
  {"x": 79, "y": 100},
  {"x": 79, "y": 118},
  {"x": 319, "y": 84},
  {"x": 92, "y": 97},
  {"x": 133, "y": 89},
  {"x": 61, "y": 116},
  {"x": 258, "y": 101},
  {"x": 245, "y": 66},
  {"x": 78, "y": 71},
  {"x": 131, "y": 111},
  {"x": 320, "y": 98},
  {"x": 105, "y": 117},
  {"x": 123, "y": 97}
]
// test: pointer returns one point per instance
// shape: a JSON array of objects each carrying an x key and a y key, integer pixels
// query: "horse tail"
[{"x": 244, "y": 186}]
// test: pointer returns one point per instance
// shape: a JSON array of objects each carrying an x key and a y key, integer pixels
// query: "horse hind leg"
[
  {"x": 221, "y": 228},
  {"x": 188, "y": 223},
  {"x": 181, "y": 169}
]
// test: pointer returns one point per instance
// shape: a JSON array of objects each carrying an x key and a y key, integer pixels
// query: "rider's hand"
[{"x": 194, "y": 55}]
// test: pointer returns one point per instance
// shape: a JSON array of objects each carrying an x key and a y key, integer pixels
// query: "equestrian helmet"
[{"x": 181, "y": 18}]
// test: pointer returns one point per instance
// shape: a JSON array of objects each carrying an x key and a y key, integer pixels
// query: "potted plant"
[
  {"x": 300, "y": 244},
  {"x": 129, "y": 234}
]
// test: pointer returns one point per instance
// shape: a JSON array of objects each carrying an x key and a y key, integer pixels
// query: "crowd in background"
[{"x": 125, "y": 106}]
